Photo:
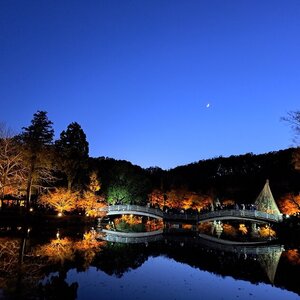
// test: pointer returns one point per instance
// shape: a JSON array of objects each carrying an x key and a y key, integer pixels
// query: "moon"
[{"x": 207, "y": 105}]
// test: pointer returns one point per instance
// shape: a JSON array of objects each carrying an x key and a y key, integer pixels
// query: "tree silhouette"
[
  {"x": 37, "y": 139},
  {"x": 73, "y": 150}
]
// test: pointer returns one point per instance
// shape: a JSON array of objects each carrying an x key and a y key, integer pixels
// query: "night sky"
[{"x": 138, "y": 75}]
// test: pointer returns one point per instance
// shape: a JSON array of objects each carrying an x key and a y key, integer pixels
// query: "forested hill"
[
  {"x": 236, "y": 177},
  {"x": 239, "y": 176}
]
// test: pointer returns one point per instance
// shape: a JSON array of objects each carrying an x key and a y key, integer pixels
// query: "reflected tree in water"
[{"x": 58, "y": 250}]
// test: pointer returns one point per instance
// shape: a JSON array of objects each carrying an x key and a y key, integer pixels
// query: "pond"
[{"x": 79, "y": 263}]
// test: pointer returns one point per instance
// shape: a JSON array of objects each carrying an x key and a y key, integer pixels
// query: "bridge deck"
[{"x": 251, "y": 215}]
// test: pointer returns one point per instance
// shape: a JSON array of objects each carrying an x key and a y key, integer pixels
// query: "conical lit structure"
[{"x": 265, "y": 201}]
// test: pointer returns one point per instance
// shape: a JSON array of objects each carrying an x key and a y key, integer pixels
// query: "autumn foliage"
[
  {"x": 62, "y": 200},
  {"x": 91, "y": 204},
  {"x": 179, "y": 199},
  {"x": 289, "y": 204}
]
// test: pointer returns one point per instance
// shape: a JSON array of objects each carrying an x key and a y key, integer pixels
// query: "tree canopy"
[{"x": 73, "y": 152}]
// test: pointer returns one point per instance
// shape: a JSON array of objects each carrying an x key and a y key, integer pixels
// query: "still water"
[{"x": 81, "y": 264}]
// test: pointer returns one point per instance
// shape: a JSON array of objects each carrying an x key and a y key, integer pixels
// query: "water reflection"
[{"x": 41, "y": 264}]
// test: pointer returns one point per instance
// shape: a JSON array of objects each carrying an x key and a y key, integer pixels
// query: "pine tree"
[
  {"x": 73, "y": 151},
  {"x": 37, "y": 140}
]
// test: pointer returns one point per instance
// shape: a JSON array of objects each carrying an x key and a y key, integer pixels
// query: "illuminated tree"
[
  {"x": 91, "y": 204},
  {"x": 37, "y": 140},
  {"x": 88, "y": 247},
  {"x": 229, "y": 230},
  {"x": 62, "y": 200},
  {"x": 293, "y": 256},
  {"x": 73, "y": 151},
  {"x": 95, "y": 184},
  {"x": 118, "y": 194},
  {"x": 58, "y": 250},
  {"x": 266, "y": 231},
  {"x": 243, "y": 229},
  {"x": 12, "y": 168},
  {"x": 156, "y": 197},
  {"x": 127, "y": 186},
  {"x": 185, "y": 199},
  {"x": 289, "y": 204}
]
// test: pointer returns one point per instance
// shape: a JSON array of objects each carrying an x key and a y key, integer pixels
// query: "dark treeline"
[
  {"x": 240, "y": 177},
  {"x": 61, "y": 175},
  {"x": 236, "y": 177}
]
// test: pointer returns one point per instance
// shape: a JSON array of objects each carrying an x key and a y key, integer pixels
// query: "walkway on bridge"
[{"x": 266, "y": 211}]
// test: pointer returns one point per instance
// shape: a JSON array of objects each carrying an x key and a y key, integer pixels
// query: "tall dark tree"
[
  {"x": 293, "y": 118},
  {"x": 37, "y": 140},
  {"x": 73, "y": 150}
]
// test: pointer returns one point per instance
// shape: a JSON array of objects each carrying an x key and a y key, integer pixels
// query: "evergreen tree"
[
  {"x": 37, "y": 140},
  {"x": 73, "y": 151}
]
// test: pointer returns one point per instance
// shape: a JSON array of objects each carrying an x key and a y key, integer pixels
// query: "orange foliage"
[
  {"x": 187, "y": 226},
  {"x": 151, "y": 224},
  {"x": 129, "y": 219},
  {"x": 228, "y": 202},
  {"x": 94, "y": 185},
  {"x": 205, "y": 227},
  {"x": 243, "y": 229},
  {"x": 88, "y": 247},
  {"x": 289, "y": 204},
  {"x": 179, "y": 199},
  {"x": 154, "y": 224},
  {"x": 61, "y": 249},
  {"x": 266, "y": 231},
  {"x": 156, "y": 197},
  {"x": 184, "y": 199},
  {"x": 293, "y": 256},
  {"x": 89, "y": 241},
  {"x": 90, "y": 204},
  {"x": 58, "y": 250},
  {"x": 229, "y": 230},
  {"x": 61, "y": 200}
]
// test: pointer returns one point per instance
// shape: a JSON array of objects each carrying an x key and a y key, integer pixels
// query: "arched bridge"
[
  {"x": 233, "y": 214},
  {"x": 134, "y": 210}
]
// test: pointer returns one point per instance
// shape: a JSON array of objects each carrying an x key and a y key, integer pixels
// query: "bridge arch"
[{"x": 135, "y": 210}]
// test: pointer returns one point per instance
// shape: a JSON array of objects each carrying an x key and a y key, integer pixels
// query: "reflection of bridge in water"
[
  {"x": 130, "y": 237},
  {"x": 268, "y": 255},
  {"x": 255, "y": 247}
]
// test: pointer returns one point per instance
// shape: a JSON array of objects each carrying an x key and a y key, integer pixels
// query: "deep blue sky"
[{"x": 137, "y": 75}]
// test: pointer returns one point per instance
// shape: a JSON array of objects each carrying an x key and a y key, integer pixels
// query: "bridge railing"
[
  {"x": 253, "y": 214},
  {"x": 134, "y": 208}
]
